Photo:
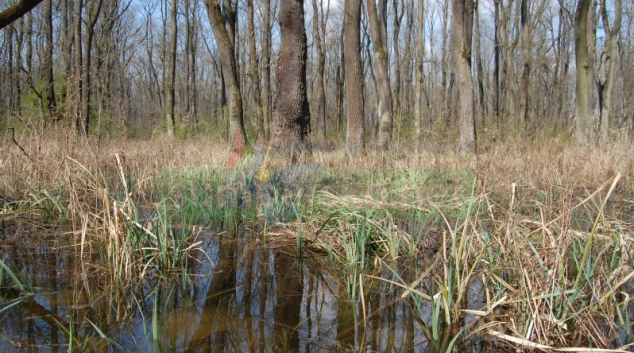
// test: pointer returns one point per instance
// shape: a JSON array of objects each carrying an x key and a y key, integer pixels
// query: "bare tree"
[
  {"x": 292, "y": 113},
  {"x": 254, "y": 71},
  {"x": 227, "y": 57},
  {"x": 611, "y": 62},
  {"x": 48, "y": 62},
  {"x": 78, "y": 68},
  {"x": 93, "y": 15},
  {"x": 355, "y": 134},
  {"x": 461, "y": 30},
  {"x": 380, "y": 66},
  {"x": 582, "y": 104},
  {"x": 321, "y": 65},
  {"x": 398, "y": 16},
  {"x": 420, "y": 53},
  {"x": 527, "y": 46},
  {"x": 171, "y": 79},
  {"x": 266, "y": 68}
]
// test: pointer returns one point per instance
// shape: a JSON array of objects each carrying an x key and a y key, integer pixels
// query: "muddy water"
[{"x": 240, "y": 295}]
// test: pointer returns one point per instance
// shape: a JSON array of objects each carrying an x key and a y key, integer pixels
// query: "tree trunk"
[
  {"x": 188, "y": 48},
  {"x": 48, "y": 62},
  {"x": 611, "y": 59},
  {"x": 292, "y": 113},
  {"x": 380, "y": 65},
  {"x": 496, "y": 60},
  {"x": 78, "y": 68},
  {"x": 420, "y": 53},
  {"x": 478, "y": 58},
  {"x": 230, "y": 70},
  {"x": 93, "y": 15},
  {"x": 340, "y": 79},
  {"x": 582, "y": 106},
  {"x": 461, "y": 33},
  {"x": 527, "y": 59},
  {"x": 255, "y": 74},
  {"x": 355, "y": 135},
  {"x": 229, "y": 15},
  {"x": 171, "y": 79},
  {"x": 321, "y": 66},
  {"x": 266, "y": 69},
  {"x": 445, "y": 79},
  {"x": 397, "y": 58}
]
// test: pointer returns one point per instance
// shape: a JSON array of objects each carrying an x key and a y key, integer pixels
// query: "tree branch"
[{"x": 16, "y": 11}]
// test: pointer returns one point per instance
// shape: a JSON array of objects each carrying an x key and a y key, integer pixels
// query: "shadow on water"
[{"x": 242, "y": 295}]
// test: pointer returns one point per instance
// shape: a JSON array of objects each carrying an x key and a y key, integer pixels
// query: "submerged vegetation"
[{"x": 540, "y": 234}]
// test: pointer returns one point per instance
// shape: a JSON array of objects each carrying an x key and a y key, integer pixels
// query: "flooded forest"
[{"x": 316, "y": 175}]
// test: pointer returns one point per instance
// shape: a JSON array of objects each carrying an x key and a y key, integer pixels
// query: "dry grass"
[{"x": 550, "y": 236}]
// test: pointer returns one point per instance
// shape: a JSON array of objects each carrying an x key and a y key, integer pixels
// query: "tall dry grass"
[{"x": 548, "y": 233}]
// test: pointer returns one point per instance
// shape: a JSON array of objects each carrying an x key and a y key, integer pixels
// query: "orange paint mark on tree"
[{"x": 238, "y": 148}]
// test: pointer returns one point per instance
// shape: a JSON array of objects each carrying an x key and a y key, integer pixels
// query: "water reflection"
[{"x": 251, "y": 297}]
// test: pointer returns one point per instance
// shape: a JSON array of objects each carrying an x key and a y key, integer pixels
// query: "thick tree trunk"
[
  {"x": 461, "y": 30},
  {"x": 611, "y": 61},
  {"x": 321, "y": 66},
  {"x": 355, "y": 134},
  {"x": 292, "y": 113},
  {"x": 582, "y": 106},
  {"x": 230, "y": 69},
  {"x": 48, "y": 62},
  {"x": 380, "y": 65},
  {"x": 171, "y": 75},
  {"x": 255, "y": 74}
]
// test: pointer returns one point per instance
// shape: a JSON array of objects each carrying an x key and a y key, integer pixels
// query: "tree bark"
[
  {"x": 171, "y": 79},
  {"x": 527, "y": 59},
  {"x": 93, "y": 15},
  {"x": 255, "y": 74},
  {"x": 48, "y": 62},
  {"x": 16, "y": 11},
  {"x": 461, "y": 34},
  {"x": 478, "y": 58},
  {"x": 420, "y": 53},
  {"x": 582, "y": 107},
  {"x": 380, "y": 65},
  {"x": 292, "y": 113},
  {"x": 397, "y": 58},
  {"x": 230, "y": 70},
  {"x": 266, "y": 69},
  {"x": 321, "y": 66},
  {"x": 611, "y": 62},
  {"x": 496, "y": 59},
  {"x": 78, "y": 66},
  {"x": 340, "y": 80},
  {"x": 355, "y": 134}
]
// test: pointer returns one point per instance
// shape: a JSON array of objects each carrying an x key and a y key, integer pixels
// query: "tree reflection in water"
[{"x": 251, "y": 298}]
